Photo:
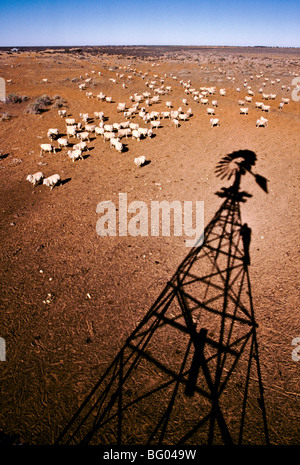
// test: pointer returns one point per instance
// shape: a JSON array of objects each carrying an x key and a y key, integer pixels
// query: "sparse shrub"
[
  {"x": 14, "y": 98},
  {"x": 44, "y": 100},
  {"x": 5, "y": 116},
  {"x": 59, "y": 102},
  {"x": 34, "y": 108}
]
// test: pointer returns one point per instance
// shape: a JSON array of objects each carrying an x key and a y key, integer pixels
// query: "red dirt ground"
[{"x": 100, "y": 288}]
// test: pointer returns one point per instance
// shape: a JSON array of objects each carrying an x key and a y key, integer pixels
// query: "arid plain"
[{"x": 70, "y": 298}]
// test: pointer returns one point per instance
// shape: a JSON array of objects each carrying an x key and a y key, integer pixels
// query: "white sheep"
[
  {"x": 83, "y": 135},
  {"x": 108, "y": 127},
  {"x": 136, "y": 134},
  {"x": 169, "y": 104},
  {"x": 124, "y": 132},
  {"x": 214, "y": 103},
  {"x": 71, "y": 131},
  {"x": 281, "y": 105},
  {"x": 214, "y": 122},
  {"x": 210, "y": 111},
  {"x": 52, "y": 181},
  {"x": 248, "y": 99},
  {"x": 108, "y": 136},
  {"x": 90, "y": 127},
  {"x": 265, "y": 108},
  {"x": 70, "y": 121},
  {"x": 35, "y": 178},
  {"x": 133, "y": 126},
  {"x": 101, "y": 96},
  {"x": 166, "y": 114},
  {"x": 262, "y": 122},
  {"x": 52, "y": 133},
  {"x": 140, "y": 161},
  {"x": 117, "y": 145},
  {"x": 121, "y": 106},
  {"x": 223, "y": 92},
  {"x": 285, "y": 100},
  {"x": 81, "y": 146},
  {"x": 47, "y": 148},
  {"x": 258, "y": 104},
  {"x": 62, "y": 142},
  {"x": 183, "y": 116},
  {"x": 75, "y": 154},
  {"x": 243, "y": 111},
  {"x": 99, "y": 115},
  {"x": 84, "y": 116},
  {"x": 155, "y": 124},
  {"x": 108, "y": 99},
  {"x": 175, "y": 122},
  {"x": 62, "y": 113}
]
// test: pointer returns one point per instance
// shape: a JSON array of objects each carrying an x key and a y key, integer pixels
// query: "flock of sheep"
[{"x": 140, "y": 109}]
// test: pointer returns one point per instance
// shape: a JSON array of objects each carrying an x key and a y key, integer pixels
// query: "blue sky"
[{"x": 150, "y": 22}]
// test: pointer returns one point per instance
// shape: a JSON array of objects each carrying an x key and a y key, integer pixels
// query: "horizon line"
[{"x": 149, "y": 45}]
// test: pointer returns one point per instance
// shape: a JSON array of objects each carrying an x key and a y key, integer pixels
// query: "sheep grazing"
[
  {"x": 81, "y": 146},
  {"x": 101, "y": 96},
  {"x": 52, "y": 133},
  {"x": 169, "y": 104},
  {"x": 136, "y": 134},
  {"x": 248, "y": 99},
  {"x": 84, "y": 116},
  {"x": 99, "y": 131},
  {"x": 285, "y": 100},
  {"x": 223, "y": 92},
  {"x": 133, "y": 126},
  {"x": 99, "y": 115},
  {"x": 108, "y": 99},
  {"x": 243, "y": 111},
  {"x": 210, "y": 111},
  {"x": 108, "y": 127},
  {"x": 62, "y": 142},
  {"x": 121, "y": 107},
  {"x": 265, "y": 108},
  {"x": 115, "y": 142},
  {"x": 175, "y": 122},
  {"x": 62, "y": 113},
  {"x": 214, "y": 122},
  {"x": 47, "y": 148},
  {"x": 183, "y": 116},
  {"x": 83, "y": 135},
  {"x": 214, "y": 103},
  {"x": 108, "y": 136},
  {"x": 52, "y": 181},
  {"x": 281, "y": 105},
  {"x": 166, "y": 114},
  {"x": 258, "y": 104},
  {"x": 124, "y": 132},
  {"x": 155, "y": 124},
  {"x": 70, "y": 121},
  {"x": 35, "y": 178},
  {"x": 140, "y": 161},
  {"x": 262, "y": 122},
  {"x": 75, "y": 154},
  {"x": 89, "y": 94},
  {"x": 90, "y": 127},
  {"x": 71, "y": 131}
]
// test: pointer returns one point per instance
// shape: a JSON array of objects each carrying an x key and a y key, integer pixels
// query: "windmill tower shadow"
[{"x": 189, "y": 373}]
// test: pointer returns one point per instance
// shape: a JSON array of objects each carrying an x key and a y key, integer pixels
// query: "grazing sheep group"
[{"x": 140, "y": 121}]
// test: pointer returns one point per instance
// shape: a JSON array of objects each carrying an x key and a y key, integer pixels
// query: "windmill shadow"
[{"x": 189, "y": 373}]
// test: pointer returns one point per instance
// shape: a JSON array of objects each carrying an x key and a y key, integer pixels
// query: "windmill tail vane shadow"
[{"x": 189, "y": 373}]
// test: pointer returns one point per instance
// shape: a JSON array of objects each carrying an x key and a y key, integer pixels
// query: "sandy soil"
[{"x": 69, "y": 298}]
